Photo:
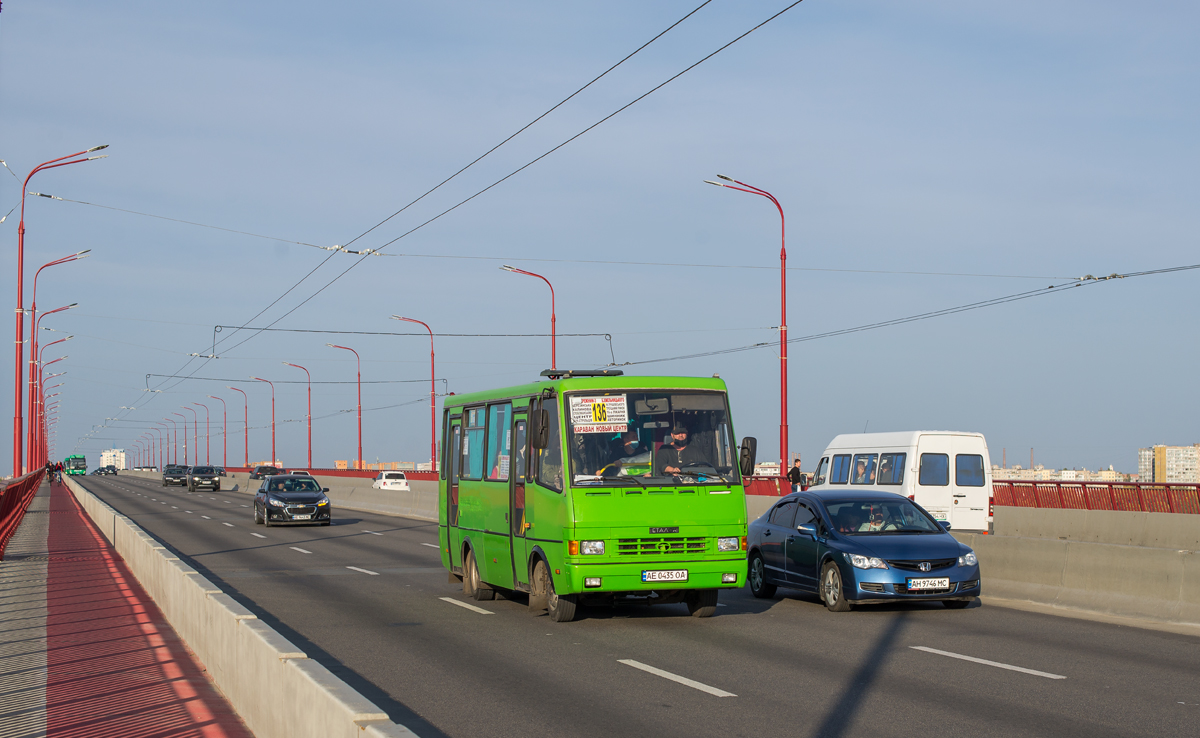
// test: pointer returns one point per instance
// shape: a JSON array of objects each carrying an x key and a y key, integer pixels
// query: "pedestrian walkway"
[{"x": 84, "y": 652}]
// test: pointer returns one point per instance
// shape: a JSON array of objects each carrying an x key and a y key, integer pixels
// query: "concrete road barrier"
[
  {"x": 271, "y": 683},
  {"x": 1154, "y": 530},
  {"x": 1132, "y": 581}
]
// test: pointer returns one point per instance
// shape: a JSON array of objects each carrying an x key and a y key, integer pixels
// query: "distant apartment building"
[
  {"x": 1170, "y": 464},
  {"x": 113, "y": 457},
  {"x": 1040, "y": 473}
]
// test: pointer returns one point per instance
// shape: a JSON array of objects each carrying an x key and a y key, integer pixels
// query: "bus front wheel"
[
  {"x": 472, "y": 586},
  {"x": 702, "y": 603},
  {"x": 560, "y": 608}
]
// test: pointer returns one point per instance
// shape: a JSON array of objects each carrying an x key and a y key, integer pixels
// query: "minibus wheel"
[
  {"x": 560, "y": 608},
  {"x": 472, "y": 586},
  {"x": 702, "y": 603}
]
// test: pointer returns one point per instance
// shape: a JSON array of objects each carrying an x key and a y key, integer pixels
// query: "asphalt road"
[{"x": 787, "y": 666}]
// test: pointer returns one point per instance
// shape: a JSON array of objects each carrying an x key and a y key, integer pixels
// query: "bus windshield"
[{"x": 650, "y": 438}]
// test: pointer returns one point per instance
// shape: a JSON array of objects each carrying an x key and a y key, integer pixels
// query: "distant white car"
[
  {"x": 300, "y": 473},
  {"x": 393, "y": 480}
]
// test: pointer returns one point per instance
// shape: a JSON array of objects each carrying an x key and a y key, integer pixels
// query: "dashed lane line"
[
  {"x": 985, "y": 662},
  {"x": 372, "y": 532},
  {"x": 206, "y": 517},
  {"x": 676, "y": 678},
  {"x": 431, "y": 545},
  {"x": 472, "y": 608},
  {"x": 189, "y": 512},
  {"x": 229, "y": 524},
  {"x": 364, "y": 571},
  {"x": 301, "y": 550},
  {"x": 258, "y": 535}
]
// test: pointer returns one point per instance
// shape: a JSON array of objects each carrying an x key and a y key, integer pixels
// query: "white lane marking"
[
  {"x": 174, "y": 507},
  {"x": 189, "y": 512},
  {"x": 227, "y": 502},
  {"x": 996, "y": 664},
  {"x": 372, "y": 532},
  {"x": 472, "y": 608},
  {"x": 229, "y": 524},
  {"x": 676, "y": 678},
  {"x": 364, "y": 571},
  {"x": 258, "y": 535},
  {"x": 294, "y": 548},
  {"x": 206, "y": 517},
  {"x": 245, "y": 506},
  {"x": 431, "y": 545}
]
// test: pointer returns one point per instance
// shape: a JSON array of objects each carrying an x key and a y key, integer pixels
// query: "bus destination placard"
[{"x": 599, "y": 414}]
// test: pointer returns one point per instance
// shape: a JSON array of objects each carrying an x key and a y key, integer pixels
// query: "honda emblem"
[{"x": 924, "y": 566}]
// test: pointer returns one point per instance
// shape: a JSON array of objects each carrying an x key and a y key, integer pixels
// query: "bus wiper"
[{"x": 714, "y": 474}]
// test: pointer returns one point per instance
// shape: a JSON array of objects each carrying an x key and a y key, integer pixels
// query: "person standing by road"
[{"x": 794, "y": 475}]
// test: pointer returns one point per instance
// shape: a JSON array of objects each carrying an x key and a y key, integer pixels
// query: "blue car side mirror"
[
  {"x": 945, "y": 524},
  {"x": 808, "y": 530}
]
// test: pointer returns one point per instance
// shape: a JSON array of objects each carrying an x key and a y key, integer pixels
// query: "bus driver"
[{"x": 673, "y": 457}]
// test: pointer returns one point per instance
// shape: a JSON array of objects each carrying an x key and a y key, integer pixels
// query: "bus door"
[
  {"x": 518, "y": 523},
  {"x": 453, "y": 539}
]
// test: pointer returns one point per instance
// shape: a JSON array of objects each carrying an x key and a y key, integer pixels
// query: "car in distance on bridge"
[
  {"x": 857, "y": 547},
  {"x": 175, "y": 474},
  {"x": 594, "y": 487},
  {"x": 261, "y": 472},
  {"x": 392, "y": 480},
  {"x": 203, "y": 476},
  {"x": 289, "y": 498}
]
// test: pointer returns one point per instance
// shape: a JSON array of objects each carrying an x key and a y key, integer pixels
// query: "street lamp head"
[
  {"x": 96, "y": 148},
  {"x": 102, "y": 156},
  {"x": 727, "y": 179},
  {"x": 709, "y": 181},
  {"x": 507, "y": 268}
]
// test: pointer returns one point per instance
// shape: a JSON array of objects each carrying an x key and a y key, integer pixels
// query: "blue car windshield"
[{"x": 895, "y": 516}]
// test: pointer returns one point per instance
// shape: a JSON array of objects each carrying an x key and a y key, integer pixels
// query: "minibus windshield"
[{"x": 650, "y": 438}]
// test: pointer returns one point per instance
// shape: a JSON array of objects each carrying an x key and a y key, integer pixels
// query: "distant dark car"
[
  {"x": 220, "y": 470},
  {"x": 261, "y": 472},
  {"x": 291, "y": 499},
  {"x": 859, "y": 547},
  {"x": 110, "y": 469},
  {"x": 203, "y": 476},
  {"x": 175, "y": 474}
]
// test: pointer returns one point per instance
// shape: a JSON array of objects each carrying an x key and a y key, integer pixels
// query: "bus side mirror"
[
  {"x": 539, "y": 428},
  {"x": 747, "y": 456}
]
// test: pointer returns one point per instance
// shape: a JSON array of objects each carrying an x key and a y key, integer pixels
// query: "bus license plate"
[
  {"x": 919, "y": 584},
  {"x": 940, "y": 515},
  {"x": 301, "y": 517},
  {"x": 672, "y": 575}
]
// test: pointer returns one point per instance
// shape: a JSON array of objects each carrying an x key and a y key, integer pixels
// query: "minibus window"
[
  {"x": 821, "y": 469},
  {"x": 472, "y": 450},
  {"x": 550, "y": 470},
  {"x": 891, "y": 468},
  {"x": 935, "y": 470},
  {"x": 499, "y": 442},
  {"x": 840, "y": 472},
  {"x": 968, "y": 470},
  {"x": 864, "y": 469}
]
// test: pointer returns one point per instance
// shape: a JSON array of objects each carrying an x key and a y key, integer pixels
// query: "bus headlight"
[
  {"x": 591, "y": 547},
  {"x": 729, "y": 544},
  {"x": 968, "y": 559}
]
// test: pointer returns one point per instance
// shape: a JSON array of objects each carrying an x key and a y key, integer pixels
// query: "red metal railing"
[
  {"x": 14, "y": 501},
  {"x": 1126, "y": 496},
  {"x": 355, "y": 473},
  {"x": 768, "y": 486}
]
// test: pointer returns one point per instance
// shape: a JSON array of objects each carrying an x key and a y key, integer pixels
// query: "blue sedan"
[{"x": 857, "y": 548}]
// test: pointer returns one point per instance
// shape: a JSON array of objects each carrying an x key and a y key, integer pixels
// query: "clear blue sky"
[{"x": 1030, "y": 142}]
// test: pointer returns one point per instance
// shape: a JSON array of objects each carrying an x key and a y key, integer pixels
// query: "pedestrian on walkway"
[{"x": 794, "y": 476}]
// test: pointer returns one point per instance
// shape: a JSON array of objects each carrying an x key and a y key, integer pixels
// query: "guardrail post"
[
  {"x": 1112, "y": 496},
  {"x": 1142, "y": 499},
  {"x": 1061, "y": 505},
  {"x": 1170, "y": 500}
]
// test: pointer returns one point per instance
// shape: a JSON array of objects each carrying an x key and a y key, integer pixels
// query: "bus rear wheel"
[
  {"x": 702, "y": 603},
  {"x": 560, "y": 608},
  {"x": 472, "y": 586}
]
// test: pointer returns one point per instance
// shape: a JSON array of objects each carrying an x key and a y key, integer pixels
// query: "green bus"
[
  {"x": 594, "y": 487},
  {"x": 75, "y": 464}
]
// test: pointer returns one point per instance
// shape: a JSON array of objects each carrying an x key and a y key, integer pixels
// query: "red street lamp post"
[
  {"x": 309, "y": 416},
  {"x": 30, "y": 432},
  {"x": 160, "y": 462},
  {"x": 359, "y": 383},
  {"x": 553, "y": 320},
  {"x": 174, "y": 434},
  {"x": 224, "y": 432},
  {"x": 42, "y": 456},
  {"x": 195, "y": 434},
  {"x": 258, "y": 379},
  {"x": 35, "y": 401},
  {"x": 185, "y": 443},
  {"x": 206, "y": 436},
  {"x": 783, "y": 365},
  {"x": 246, "y": 421},
  {"x": 19, "y": 338},
  {"x": 432, "y": 384},
  {"x": 33, "y": 356}
]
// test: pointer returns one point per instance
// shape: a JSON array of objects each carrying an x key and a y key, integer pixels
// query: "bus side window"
[
  {"x": 968, "y": 470},
  {"x": 840, "y": 471},
  {"x": 935, "y": 470},
  {"x": 499, "y": 442},
  {"x": 821, "y": 469},
  {"x": 472, "y": 448},
  {"x": 550, "y": 466},
  {"x": 518, "y": 452},
  {"x": 891, "y": 468}
]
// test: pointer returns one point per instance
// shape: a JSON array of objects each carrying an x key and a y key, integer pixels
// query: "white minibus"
[{"x": 946, "y": 472}]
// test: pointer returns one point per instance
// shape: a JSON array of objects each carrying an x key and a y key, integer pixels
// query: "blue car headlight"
[
  {"x": 865, "y": 562},
  {"x": 968, "y": 559}
]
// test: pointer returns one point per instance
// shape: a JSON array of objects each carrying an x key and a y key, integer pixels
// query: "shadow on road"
[{"x": 841, "y": 715}]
